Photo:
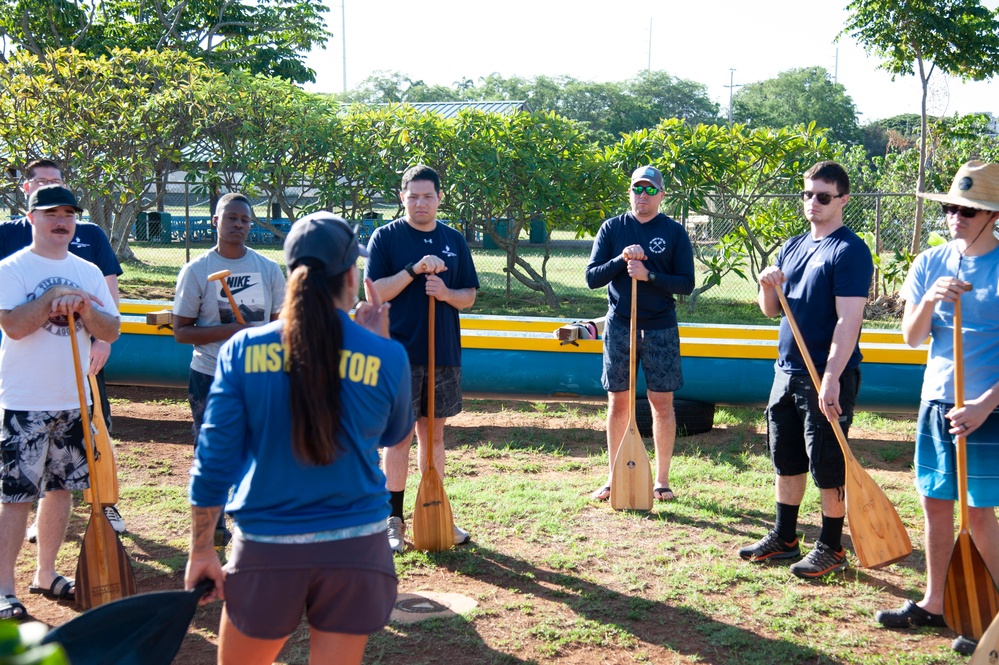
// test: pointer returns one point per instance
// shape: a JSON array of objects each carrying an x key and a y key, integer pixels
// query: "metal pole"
[
  {"x": 731, "y": 87},
  {"x": 649, "y": 66},
  {"x": 187, "y": 221}
]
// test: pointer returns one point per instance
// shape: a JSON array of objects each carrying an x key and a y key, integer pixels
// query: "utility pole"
[
  {"x": 836, "y": 67},
  {"x": 731, "y": 86},
  {"x": 343, "y": 38}
]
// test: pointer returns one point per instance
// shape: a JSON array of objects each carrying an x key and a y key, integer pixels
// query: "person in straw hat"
[{"x": 938, "y": 277}]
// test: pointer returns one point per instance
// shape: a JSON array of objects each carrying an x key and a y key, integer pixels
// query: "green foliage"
[
  {"x": 262, "y": 37},
  {"x": 20, "y": 645},
  {"x": 798, "y": 97}
]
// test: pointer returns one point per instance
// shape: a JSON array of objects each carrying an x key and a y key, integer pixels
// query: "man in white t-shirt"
[
  {"x": 46, "y": 294},
  {"x": 202, "y": 314}
]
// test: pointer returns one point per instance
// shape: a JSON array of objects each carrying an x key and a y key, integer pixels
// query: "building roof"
[{"x": 451, "y": 109}]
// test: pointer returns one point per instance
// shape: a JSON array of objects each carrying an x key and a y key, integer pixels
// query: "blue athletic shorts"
[
  {"x": 658, "y": 354},
  {"x": 800, "y": 438},
  {"x": 936, "y": 458}
]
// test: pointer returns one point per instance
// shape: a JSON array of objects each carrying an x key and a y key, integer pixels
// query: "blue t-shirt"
[
  {"x": 392, "y": 247},
  {"x": 819, "y": 271},
  {"x": 670, "y": 257},
  {"x": 246, "y": 438},
  {"x": 90, "y": 243},
  {"x": 979, "y": 320}
]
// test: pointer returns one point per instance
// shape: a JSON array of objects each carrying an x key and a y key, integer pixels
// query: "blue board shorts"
[
  {"x": 936, "y": 457},
  {"x": 658, "y": 353}
]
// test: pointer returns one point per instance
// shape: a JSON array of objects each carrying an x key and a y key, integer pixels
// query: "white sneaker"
[
  {"x": 31, "y": 533},
  {"x": 117, "y": 523},
  {"x": 397, "y": 534},
  {"x": 461, "y": 536}
]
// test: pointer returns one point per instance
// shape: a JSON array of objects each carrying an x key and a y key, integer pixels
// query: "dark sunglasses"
[
  {"x": 648, "y": 189},
  {"x": 967, "y": 213},
  {"x": 825, "y": 198}
]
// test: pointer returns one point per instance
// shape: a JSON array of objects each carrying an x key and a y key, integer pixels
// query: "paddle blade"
[
  {"x": 148, "y": 628},
  {"x": 104, "y": 462},
  {"x": 987, "y": 652},
  {"x": 879, "y": 537},
  {"x": 100, "y": 580},
  {"x": 631, "y": 477},
  {"x": 970, "y": 598},
  {"x": 433, "y": 525}
]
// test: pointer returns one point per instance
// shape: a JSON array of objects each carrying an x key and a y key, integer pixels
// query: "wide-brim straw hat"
[{"x": 976, "y": 185}]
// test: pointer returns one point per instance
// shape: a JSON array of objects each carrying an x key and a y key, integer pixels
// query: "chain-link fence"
[{"x": 161, "y": 241}]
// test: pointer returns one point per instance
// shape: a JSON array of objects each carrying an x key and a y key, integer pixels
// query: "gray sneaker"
[
  {"x": 461, "y": 536},
  {"x": 397, "y": 534},
  {"x": 820, "y": 561},
  {"x": 117, "y": 523}
]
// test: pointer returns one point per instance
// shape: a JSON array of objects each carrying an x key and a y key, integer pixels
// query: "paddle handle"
[
  {"x": 812, "y": 371},
  {"x": 431, "y": 387},
  {"x": 633, "y": 355},
  {"x": 96, "y": 516},
  {"x": 221, "y": 276},
  {"x": 962, "y": 443}
]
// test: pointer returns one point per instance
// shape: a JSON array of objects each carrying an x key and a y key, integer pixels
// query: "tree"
[
  {"x": 664, "y": 97},
  {"x": 259, "y": 36},
  {"x": 798, "y": 97},
  {"x": 959, "y": 37}
]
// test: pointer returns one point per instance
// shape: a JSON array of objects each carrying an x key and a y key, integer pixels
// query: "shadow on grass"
[{"x": 603, "y": 618}]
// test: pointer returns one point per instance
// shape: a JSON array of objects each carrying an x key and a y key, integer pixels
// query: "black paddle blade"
[{"x": 146, "y": 629}]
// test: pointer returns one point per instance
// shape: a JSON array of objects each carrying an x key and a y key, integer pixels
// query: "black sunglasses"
[
  {"x": 825, "y": 198},
  {"x": 648, "y": 189},
  {"x": 967, "y": 213}
]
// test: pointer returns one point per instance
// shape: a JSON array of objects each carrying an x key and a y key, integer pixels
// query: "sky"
[{"x": 444, "y": 41}]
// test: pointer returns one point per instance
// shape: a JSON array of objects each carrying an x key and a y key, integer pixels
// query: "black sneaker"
[
  {"x": 772, "y": 546},
  {"x": 909, "y": 615},
  {"x": 820, "y": 561}
]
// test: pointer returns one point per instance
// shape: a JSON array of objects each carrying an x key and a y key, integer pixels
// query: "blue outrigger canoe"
[{"x": 521, "y": 358}]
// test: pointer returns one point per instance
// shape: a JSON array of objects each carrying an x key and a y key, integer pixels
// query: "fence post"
[
  {"x": 877, "y": 243},
  {"x": 187, "y": 221}
]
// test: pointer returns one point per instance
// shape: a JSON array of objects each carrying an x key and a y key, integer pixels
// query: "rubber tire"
[{"x": 691, "y": 417}]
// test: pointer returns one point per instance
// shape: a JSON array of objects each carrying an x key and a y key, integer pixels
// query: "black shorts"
[
  {"x": 343, "y": 586},
  {"x": 447, "y": 391},
  {"x": 800, "y": 438}
]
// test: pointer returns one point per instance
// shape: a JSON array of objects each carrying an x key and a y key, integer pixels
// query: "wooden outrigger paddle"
[
  {"x": 104, "y": 462},
  {"x": 971, "y": 601},
  {"x": 103, "y": 572},
  {"x": 433, "y": 524},
  {"x": 879, "y": 537},
  {"x": 987, "y": 651},
  {"x": 631, "y": 474}
]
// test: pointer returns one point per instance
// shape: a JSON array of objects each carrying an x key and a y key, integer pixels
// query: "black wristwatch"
[
  {"x": 652, "y": 277},
  {"x": 409, "y": 269}
]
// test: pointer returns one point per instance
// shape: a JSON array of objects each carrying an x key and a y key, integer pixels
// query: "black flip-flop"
[
  {"x": 602, "y": 494},
  {"x": 60, "y": 589},
  {"x": 659, "y": 491},
  {"x": 10, "y": 603}
]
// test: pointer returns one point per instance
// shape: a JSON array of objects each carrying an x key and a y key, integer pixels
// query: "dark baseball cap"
[
  {"x": 52, "y": 196},
  {"x": 648, "y": 174},
  {"x": 326, "y": 238}
]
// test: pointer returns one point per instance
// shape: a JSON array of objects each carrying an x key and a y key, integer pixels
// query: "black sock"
[
  {"x": 832, "y": 532},
  {"x": 787, "y": 522},
  {"x": 395, "y": 503}
]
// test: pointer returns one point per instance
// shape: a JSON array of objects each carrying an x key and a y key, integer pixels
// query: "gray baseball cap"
[
  {"x": 326, "y": 238},
  {"x": 648, "y": 174},
  {"x": 52, "y": 196}
]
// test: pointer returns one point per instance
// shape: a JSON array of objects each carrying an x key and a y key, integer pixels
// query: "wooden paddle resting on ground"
[
  {"x": 970, "y": 598},
  {"x": 879, "y": 537},
  {"x": 221, "y": 275},
  {"x": 987, "y": 652},
  {"x": 433, "y": 524},
  {"x": 104, "y": 462},
  {"x": 103, "y": 572},
  {"x": 631, "y": 474}
]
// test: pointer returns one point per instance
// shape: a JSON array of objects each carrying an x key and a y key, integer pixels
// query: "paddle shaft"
[
  {"x": 431, "y": 387},
  {"x": 962, "y": 443},
  {"x": 96, "y": 516},
  {"x": 220, "y": 276}
]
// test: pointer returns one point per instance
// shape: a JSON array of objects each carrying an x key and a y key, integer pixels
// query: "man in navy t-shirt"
[
  {"x": 91, "y": 244},
  {"x": 825, "y": 275},
  {"x": 411, "y": 259}
]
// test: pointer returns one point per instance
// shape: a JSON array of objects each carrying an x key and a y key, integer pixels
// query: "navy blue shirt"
[
  {"x": 818, "y": 271},
  {"x": 90, "y": 243},
  {"x": 670, "y": 257},
  {"x": 392, "y": 248}
]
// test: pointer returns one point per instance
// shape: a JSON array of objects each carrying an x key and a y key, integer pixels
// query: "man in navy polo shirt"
[{"x": 411, "y": 259}]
